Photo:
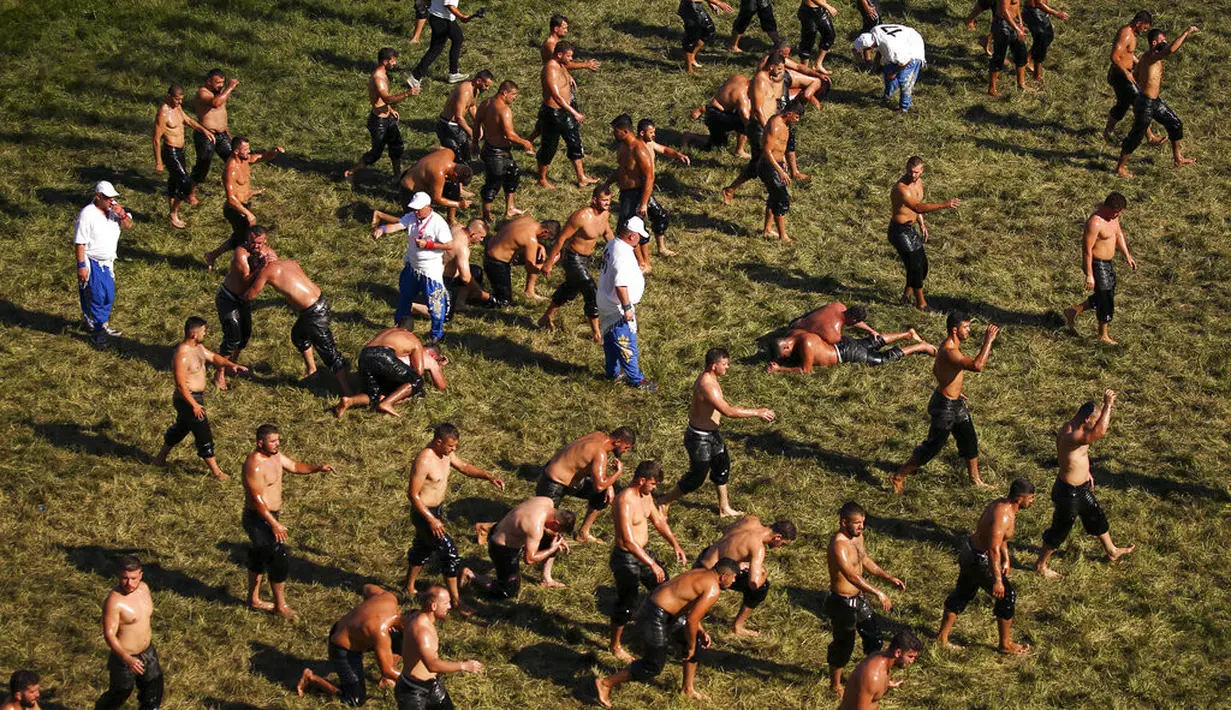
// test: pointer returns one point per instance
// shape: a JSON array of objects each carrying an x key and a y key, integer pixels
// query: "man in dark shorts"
[
  {"x": 210, "y": 106},
  {"x": 1103, "y": 236},
  {"x": 635, "y": 173},
  {"x": 682, "y": 601},
  {"x": 1038, "y": 16},
  {"x": 1120, "y": 74},
  {"x": 169, "y": 124},
  {"x": 133, "y": 661},
  {"x": 263, "y": 471},
  {"x": 1073, "y": 492},
  {"x": 773, "y": 168},
  {"x": 1008, "y": 34},
  {"x": 698, "y": 27},
  {"x": 746, "y": 541},
  {"x": 559, "y": 117},
  {"x": 728, "y": 112},
  {"x": 947, "y": 408},
  {"x": 849, "y": 612},
  {"x": 442, "y": 177},
  {"x": 765, "y": 15},
  {"x": 580, "y": 470},
  {"x": 574, "y": 249},
  {"x": 980, "y": 7},
  {"x": 533, "y": 529},
  {"x": 453, "y": 129},
  {"x": 383, "y": 118},
  {"x": 234, "y": 313},
  {"x": 493, "y": 124},
  {"x": 188, "y": 364},
  {"x": 520, "y": 239},
  {"x": 764, "y": 91},
  {"x": 419, "y": 687},
  {"x": 984, "y": 563},
  {"x": 238, "y": 190},
  {"x": 631, "y": 563},
  {"x": 815, "y": 339},
  {"x": 907, "y": 205},
  {"x": 429, "y": 482},
  {"x": 707, "y": 451},
  {"x": 311, "y": 331},
  {"x": 1148, "y": 106},
  {"x": 392, "y": 367},
  {"x": 816, "y": 30},
  {"x": 374, "y": 625}
]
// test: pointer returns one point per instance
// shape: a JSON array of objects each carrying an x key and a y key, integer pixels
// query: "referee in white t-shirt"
[
  {"x": 620, "y": 286},
  {"x": 902, "y": 55},
  {"x": 443, "y": 17},
  {"x": 96, "y": 236}
]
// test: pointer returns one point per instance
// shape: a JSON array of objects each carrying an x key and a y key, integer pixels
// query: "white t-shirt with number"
[
  {"x": 619, "y": 268},
  {"x": 439, "y": 8},
  {"x": 899, "y": 44},
  {"x": 429, "y": 262}
]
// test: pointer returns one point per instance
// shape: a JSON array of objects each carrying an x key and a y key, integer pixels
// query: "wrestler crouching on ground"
[
  {"x": 375, "y": 624},
  {"x": 392, "y": 367},
  {"x": 534, "y": 530},
  {"x": 746, "y": 541}
]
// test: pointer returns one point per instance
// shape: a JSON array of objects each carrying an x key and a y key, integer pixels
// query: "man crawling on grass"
[{"x": 816, "y": 340}]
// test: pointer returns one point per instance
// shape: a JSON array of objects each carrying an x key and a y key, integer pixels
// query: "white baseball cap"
[
  {"x": 106, "y": 189},
  {"x": 636, "y": 225},
  {"x": 864, "y": 41},
  {"x": 419, "y": 200}
]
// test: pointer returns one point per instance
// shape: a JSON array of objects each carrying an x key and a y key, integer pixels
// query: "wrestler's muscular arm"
[
  {"x": 848, "y": 564},
  {"x": 1100, "y": 428},
  {"x": 623, "y": 516},
  {"x": 998, "y": 550},
  {"x": 552, "y": 89},
  {"x": 570, "y": 228},
  {"x": 645, "y": 164},
  {"x": 426, "y": 644},
  {"x": 660, "y": 524},
  {"x": 1048, "y": 9},
  {"x": 473, "y": 471},
  {"x": 772, "y": 131},
  {"x": 693, "y": 629},
  {"x": 1122, "y": 245},
  {"x": 290, "y": 465},
  {"x": 714, "y": 397},
  {"x": 216, "y": 360},
  {"x": 1175, "y": 44},
  {"x": 258, "y": 283},
  {"x": 160, "y": 119},
  {"x": 870, "y": 565},
  {"x": 1088, "y": 240},
  {"x": 531, "y": 552},
  {"x": 1002, "y": 10},
  {"x": 506, "y": 123},
  {"x": 382, "y": 90},
  {"x": 384, "y": 657},
  {"x": 979, "y": 362}
]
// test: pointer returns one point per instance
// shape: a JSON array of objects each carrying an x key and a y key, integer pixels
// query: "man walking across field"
[
  {"x": 169, "y": 124},
  {"x": 907, "y": 207},
  {"x": 1102, "y": 238},
  {"x": 1148, "y": 107},
  {"x": 559, "y": 117},
  {"x": 493, "y": 124},
  {"x": 96, "y": 238},
  {"x": 237, "y": 184},
  {"x": 210, "y": 106},
  {"x": 574, "y": 249},
  {"x": 621, "y": 284},
  {"x": 383, "y": 118}
]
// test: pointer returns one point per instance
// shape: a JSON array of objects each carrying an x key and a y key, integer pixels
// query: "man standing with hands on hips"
[
  {"x": 96, "y": 235},
  {"x": 620, "y": 286},
  {"x": 428, "y": 238}
]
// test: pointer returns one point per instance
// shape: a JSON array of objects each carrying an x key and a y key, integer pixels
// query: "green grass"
[{"x": 79, "y": 426}]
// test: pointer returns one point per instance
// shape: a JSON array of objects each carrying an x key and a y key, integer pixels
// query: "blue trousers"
[
  {"x": 97, "y": 296},
  {"x": 410, "y": 284},
  {"x": 902, "y": 80},
  {"x": 621, "y": 353}
]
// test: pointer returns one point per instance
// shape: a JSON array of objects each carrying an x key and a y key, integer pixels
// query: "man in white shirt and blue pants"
[
  {"x": 428, "y": 237},
  {"x": 620, "y": 287},
  {"x": 902, "y": 53},
  {"x": 96, "y": 236}
]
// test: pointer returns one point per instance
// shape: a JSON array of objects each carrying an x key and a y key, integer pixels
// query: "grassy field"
[{"x": 82, "y": 81}]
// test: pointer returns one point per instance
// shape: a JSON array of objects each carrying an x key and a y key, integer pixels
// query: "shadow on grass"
[
  {"x": 357, "y": 212},
  {"x": 1016, "y": 121},
  {"x": 220, "y": 704},
  {"x": 925, "y": 531},
  {"x": 471, "y": 510},
  {"x": 774, "y": 443},
  {"x": 303, "y": 571},
  {"x": 1078, "y": 159},
  {"x": 87, "y": 439},
  {"x": 71, "y": 142},
  {"x": 101, "y": 561},
  {"x": 501, "y": 349},
  {"x": 694, "y": 221},
  {"x": 337, "y": 61},
  {"x": 615, "y": 56},
  {"x": 523, "y": 471},
  {"x": 381, "y": 292},
  {"x": 559, "y": 664},
  {"x": 802, "y": 281},
  {"x": 175, "y": 261},
  {"x": 1174, "y": 491},
  {"x": 279, "y": 667},
  {"x": 156, "y": 356},
  {"x": 327, "y": 169},
  {"x": 760, "y": 668},
  {"x": 1046, "y": 320}
]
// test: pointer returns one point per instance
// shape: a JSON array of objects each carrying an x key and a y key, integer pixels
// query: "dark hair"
[
  {"x": 215, "y": 72},
  {"x": 551, "y": 226},
  {"x": 464, "y": 173},
  {"x": 128, "y": 563},
  {"x": 850, "y": 509},
  {"x": 625, "y": 435},
  {"x": 237, "y": 140},
  {"x": 386, "y": 53},
  {"x": 644, "y": 124},
  {"x": 781, "y": 43},
  {"x": 774, "y": 60},
  {"x": 507, "y": 85},
  {"x": 786, "y": 529},
  {"x": 913, "y": 161},
  {"x": 429, "y": 594},
  {"x": 1115, "y": 201},
  {"x": 407, "y": 323},
  {"x": 566, "y": 519},
  {"x": 436, "y": 348},
  {"x": 726, "y": 566},
  {"x": 905, "y": 641},
  {"x": 563, "y": 47},
  {"x": 714, "y": 355},
  {"x": 256, "y": 230},
  {"x": 601, "y": 189},
  {"x": 1154, "y": 34},
  {"x": 955, "y": 320},
  {"x": 445, "y": 431},
  {"x": 1020, "y": 488},
  {"x": 648, "y": 469},
  {"x": 174, "y": 89},
  {"x": 1085, "y": 410},
  {"x": 193, "y": 323},
  {"x": 1144, "y": 17},
  {"x": 795, "y": 106},
  {"x": 21, "y": 681},
  {"x": 265, "y": 430},
  {"x": 623, "y": 122},
  {"x": 485, "y": 74},
  {"x": 856, "y": 314},
  {"x": 556, "y": 20}
]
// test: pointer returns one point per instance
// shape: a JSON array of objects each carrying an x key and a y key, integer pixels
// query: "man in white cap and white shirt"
[
  {"x": 428, "y": 237},
  {"x": 96, "y": 235},
  {"x": 902, "y": 53},
  {"x": 620, "y": 286}
]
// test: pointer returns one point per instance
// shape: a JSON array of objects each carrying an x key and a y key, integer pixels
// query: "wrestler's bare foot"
[
  {"x": 727, "y": 195},
  {"x": 481, "y": 531},
  {"x": 1014, "y": 649},
  {"x": 467, "y": 576},
  {"x": 1182, "y": 161},
  {"x": 914, "y": 335},
  {"x": 552, "y": 584},
  {"x": 696, "y": 113},
  {"x": 286, "y": 612},
  {"x": 949, "y": 645},
  {"x": 219, "y": 476},
  {"x": 1027, "y": 87},
  {"x": 1046, "y": 571},
  {"x": 742, "y": 154},
  {"x": 1070, "y": 316},
  {"x": 735, "y": 48},
  {"x": 822, "y": 70},
  {"x": 787, "y": 240},
  {"x": 533, "y": 296},
  {"x": 209, "y": 258},
  {"x": 303, "y": 680},
  {"x": 177, "y": 222},
  {"x": 544, "y": 182},
  {"x": 583, "y": 538},
  {"x": 510, "y": 214},
  {"x": 800, "y": 176},
  {"x": 729, "y": 512},
  {"x": 1107, "y": 339},
  {"x": 1124, "y": 173},
  {"x": 1120, "y": 552},
  {"x": 898, "y": 483},
  {"x": 1157, "y": 140},
  {"x": 192, "y": 198},
  {"x": 260, "y": 605},
  {"x": 603, "y": 691},
  {"x": 978, "y": 483},
  {"x": 159, "y": 461},
  {"x": 587, "y": 181},
  {"x": 348, "y": 175},
  {"x": 742, "y": 630},
  {"x": 340, "y": 408},
  {"x": 837, "y": 690},
  {"x": 620, "y": 653},
  {"x": 993, "y": 93},
  {"x": 667, "y": 252},
  {"x": 694, "y": 695}
]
